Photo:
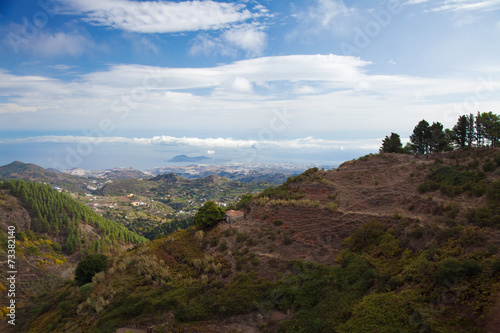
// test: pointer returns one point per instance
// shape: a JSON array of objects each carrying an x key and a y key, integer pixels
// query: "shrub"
[
  {"x": 241, "y": 237},
  {"x": 214, "y": 241},
  {"x": 89, "y": 266},
  {"x": 428, "y": 186},
  {"x": 251, "y": 242},
  {"x": 365, "y": 236},
  {"x": 86, "y": 289},
  {"x": 245, "y": 201},
  {"x": 255, "y": 261},
  {"x": 278, "y": 222},
  {"x": 333, "y": 206},
  {"x": 447, "y": 271},
  {"x": 471, "y": 268},
  {"x": 489, "y": 165},
  {"x": 222, "y": 246},
  {"x": 208, "y": 215},
  {"x": 287, "y": 240},
  {"x": 496, "y": 266}
]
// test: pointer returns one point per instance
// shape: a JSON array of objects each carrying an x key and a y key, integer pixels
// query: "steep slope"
[
  {"x": 386, "y": 243},
  {"x": 52, "y": 233}
]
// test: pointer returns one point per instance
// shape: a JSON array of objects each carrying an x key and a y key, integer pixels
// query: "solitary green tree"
[
  {"x": 208, "y": 215},
  {"x": 392, "y": 144},
  {"x": 89, "y": 266}
]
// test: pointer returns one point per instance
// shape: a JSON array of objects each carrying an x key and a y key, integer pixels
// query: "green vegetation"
[
  {"x": 483, "y": 130},
  {"x": 381, "y": 285},
  {"x": 208, "y": 215},
  {"x": 282, "y": 192},
  {"x": 57, "y": 214},
  {"x": 90, "y": 266},
  {"x": 392, "y": 144}
]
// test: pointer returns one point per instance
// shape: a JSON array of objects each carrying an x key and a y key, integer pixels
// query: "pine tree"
[
  {"x": 437, "y": 142},
  {"x": 460, "y": 130},
  {"x": 392, "y": 144},
  {"x": 421, "y": 137}
]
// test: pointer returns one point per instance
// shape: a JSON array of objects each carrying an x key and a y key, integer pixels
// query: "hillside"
[
  {"x": 52, "y": 232},
  {"x": 33, "y": 172},
  {"x": 386, "y": 243}
]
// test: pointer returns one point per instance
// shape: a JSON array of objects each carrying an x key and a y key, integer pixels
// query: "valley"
[{"x": 387, "y": 242}]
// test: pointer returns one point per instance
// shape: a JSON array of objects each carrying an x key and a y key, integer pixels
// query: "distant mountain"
[
  {"x": 187, "y": 159},
  {"x": 33, "y": 172},
  {"x": 168, "y": 178}
]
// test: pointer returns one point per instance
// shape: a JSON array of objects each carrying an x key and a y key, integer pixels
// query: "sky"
[{"x": 98, "y": 84}]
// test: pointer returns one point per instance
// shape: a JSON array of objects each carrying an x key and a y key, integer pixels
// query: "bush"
[
  {"x": 471, "y": 268},
  {"x": 214, "y": 241},
  {"x": 448, "y": 271},
  {"x": 89, "y": 266},
  {"x": 287, "y": 240},
  {"x": 365, "y": 236},
  {"x": 86, "y": 289},
  {"x": 223, "y": 246},
  {"x": 489, "y": 165},
  {"x": 278, "y": 222},
  {"x": 208, "y": 215},
  {"x": 244, "y": 202},
  {"x": 496, "y": 266}
]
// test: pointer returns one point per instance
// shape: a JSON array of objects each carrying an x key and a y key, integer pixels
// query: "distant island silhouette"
[{"x": 187, "y": 159}]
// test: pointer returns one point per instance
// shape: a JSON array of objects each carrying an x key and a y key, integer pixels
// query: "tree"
[
  {"x": 208, "y": 215},
  {"x": 245, "y": 201},
  {"x": 490, "y": 123},
  {"x": 480, "y": 133},
  {"x": 464, "y": 131},
  {"x": 89, "y": 266},
  {"x": 421, "y": 137},
  {"x": 392, "y": 144},
  {"x": 437, "y": 140}
]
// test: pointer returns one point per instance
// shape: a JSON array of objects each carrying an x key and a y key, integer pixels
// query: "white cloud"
[
  {"x": 47, "y": 43},
  {"x": 415, "y": 2},
  {"x": 207, "y": 45},
  {"x": 467, "y": 5},
  {"x": 15, "y": 108},
  {"x": 239, "y": 84},
  {"x": 160, "y": 16},
  {"x": 61, "y": 67},
  {"x": 62, "y": 43},
  {"x": 305, "y": 90},
  {"x": 323, "y": 16},
  {"x": 227, "y": 143},
  {"x": 248, "y": 38},
  {"x": 325, "y": 93}
]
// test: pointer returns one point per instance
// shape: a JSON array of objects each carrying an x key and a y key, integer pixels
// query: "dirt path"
[{"x": 68, "y": 272}]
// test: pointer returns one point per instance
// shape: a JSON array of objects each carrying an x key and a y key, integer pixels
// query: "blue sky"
[{"x": 96, "y": 83}]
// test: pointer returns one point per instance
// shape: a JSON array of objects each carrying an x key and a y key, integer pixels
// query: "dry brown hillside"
[{"x": 332, "y": 204}]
